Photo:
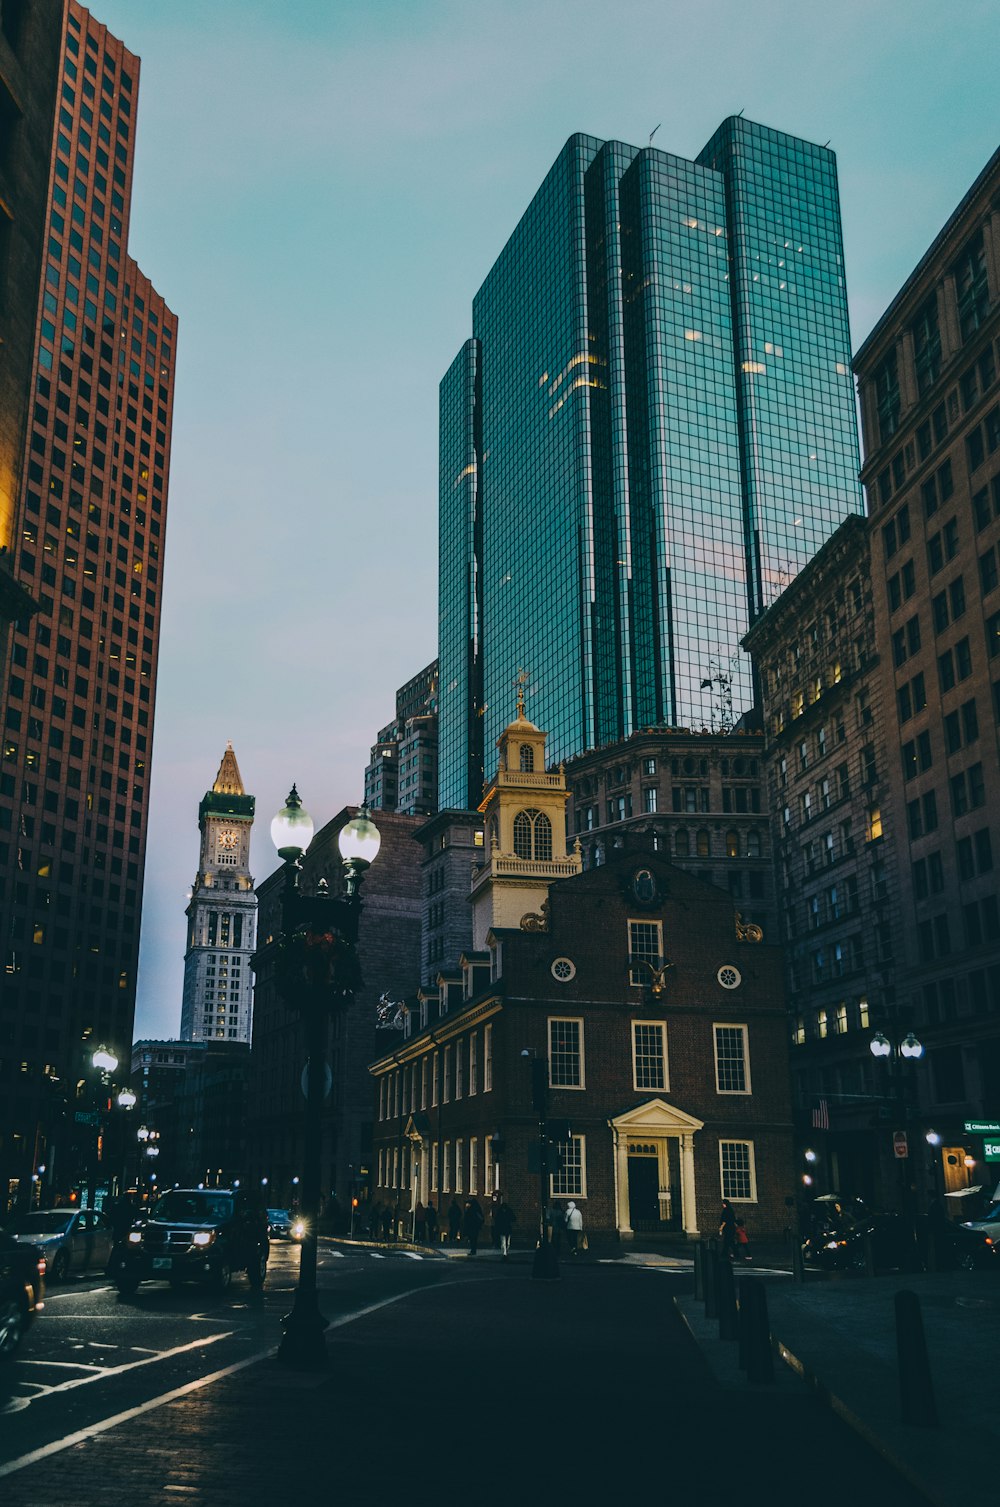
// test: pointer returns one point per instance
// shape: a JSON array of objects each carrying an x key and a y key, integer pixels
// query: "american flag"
[{"x": 821, "y": 1115}]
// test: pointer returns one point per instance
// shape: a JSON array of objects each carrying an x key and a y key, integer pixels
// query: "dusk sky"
[{"x": 320, "y": 189}]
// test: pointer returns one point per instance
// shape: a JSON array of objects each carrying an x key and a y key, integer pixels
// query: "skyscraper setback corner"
[{"x": 650, "y": 432}]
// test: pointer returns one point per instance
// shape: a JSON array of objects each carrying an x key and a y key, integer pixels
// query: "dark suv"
[{"x": 195, "y": 1235}]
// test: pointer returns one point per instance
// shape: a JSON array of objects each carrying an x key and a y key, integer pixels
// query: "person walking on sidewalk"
[
  {"x": 574, "y": 1227},
  {"x": 503, "y": 1227},
  {"x": 727, "y": 1228},
  {"x": 419, "y": 1222},
  {"x": 454, "y": 1222},
  {"x": 743, "y": 1243},
  {"x": 432, "y": 1224},
  {"x": 472, "y": 1222}
]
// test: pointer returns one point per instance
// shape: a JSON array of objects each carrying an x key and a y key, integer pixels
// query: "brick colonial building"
[{"x": 662, "y": 1023}]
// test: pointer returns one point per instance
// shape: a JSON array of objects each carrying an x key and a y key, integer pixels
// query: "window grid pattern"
[
  {"x": 649, "y": 1044},
  {"x": 570, "y": 1180},
  {"x": 645, "y": 945},
  {"x": 566, "y": 1053},
  {"x": 731, "y": 1076},
  {"x": 737, "y": 1170}
]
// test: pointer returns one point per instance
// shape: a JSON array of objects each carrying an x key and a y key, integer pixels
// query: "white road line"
[
  {"x": 64, "y": 1365},
  {"x": 192, "y": 1386},
  {"x": 413, "y": 1255},
  {"x": 376, "y": 1255},
  {"x": 133, "y": 1365}
]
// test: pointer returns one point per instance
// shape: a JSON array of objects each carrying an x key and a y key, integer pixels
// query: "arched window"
[
  {"x": 732, "y": 845},
  {"x": 532, "y": 835},
  {"x": 527, "y": 757},
  {"x": 753, "y": 844},
  {"x": 681, "y": 843},
  {"x": 704, "y": 843}
]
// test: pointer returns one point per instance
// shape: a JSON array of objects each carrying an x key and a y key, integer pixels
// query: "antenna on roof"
[
  {"x": 742, "y": 108},
  {"x": 827, "y": 142},
  {"x": 653, "y": 133}
]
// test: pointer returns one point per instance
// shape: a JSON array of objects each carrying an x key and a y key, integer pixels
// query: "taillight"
[{"x": 41, "y": 1266}]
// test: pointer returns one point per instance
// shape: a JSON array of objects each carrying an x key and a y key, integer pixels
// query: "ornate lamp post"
[
  {"x": 317, "y": 972},
  {"x": 896, "y": 1057},
  {"x": 104, "y": 1062},
  {"x": 545, "y": 1264}
]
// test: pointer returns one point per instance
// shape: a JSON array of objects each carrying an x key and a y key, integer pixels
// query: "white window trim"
[
  {"x": 488, "y": 1057},
  {"x": 434, "y": 1167},
  {"x": 583, "y": 1172},
  {"x": 459, "y": 1166},
  {"x": 569, "y": 1088},
  {"x": 434, "y": 1081},
  {"x": 473, "y": 1164},
  {"x": 644, "y": 1089},
  {"x": 732, "y": 1025},
  {"x": 739, "y": 1141},
  {"x": 473, "y": 1064},
  {"x": 635, "y": 976}
]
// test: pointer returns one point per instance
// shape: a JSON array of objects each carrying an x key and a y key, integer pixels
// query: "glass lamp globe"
[
  {"x": 104, "y": 1061},
  {"x": 880, "y": 1045},
  {"x": 360, "y": 840},
  {"x": 127, "y": 1099},
  {"x": 910, "y": 1046},
  {"x": 292, "y": 829}
]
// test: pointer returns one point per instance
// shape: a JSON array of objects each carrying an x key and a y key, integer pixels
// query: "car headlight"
[
  {"x": 299, "y": 1228},
  {"x": 135, "y": 1237},
  {"x": 204, "y": 1237}
]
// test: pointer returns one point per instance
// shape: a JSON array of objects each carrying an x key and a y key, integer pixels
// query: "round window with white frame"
[
  {"x": 563, "y": 969},
  {"x": 729, "y": 977}
]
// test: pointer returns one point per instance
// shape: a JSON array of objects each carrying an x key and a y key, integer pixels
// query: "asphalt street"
[{"x": 447, "y": 1377}]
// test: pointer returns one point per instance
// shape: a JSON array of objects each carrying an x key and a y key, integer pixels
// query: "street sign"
[
  {"x": 83, "y": 1118},
  {"x": 991, "y": 1151},
  {"x": 982, "y": 1127},
  {"x": 899, "y": 1144}
]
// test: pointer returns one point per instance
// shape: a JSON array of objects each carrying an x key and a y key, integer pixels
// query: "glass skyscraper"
[{"x": 649, "y": 434}]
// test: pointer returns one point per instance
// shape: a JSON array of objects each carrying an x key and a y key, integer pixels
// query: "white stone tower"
[{"x": 222, "y": 916}]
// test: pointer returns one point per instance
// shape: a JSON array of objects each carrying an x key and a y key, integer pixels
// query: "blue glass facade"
[{"x": 620, "y": 485}]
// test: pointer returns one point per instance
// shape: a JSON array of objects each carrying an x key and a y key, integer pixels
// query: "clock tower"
[{"x": 222, "y": 915}]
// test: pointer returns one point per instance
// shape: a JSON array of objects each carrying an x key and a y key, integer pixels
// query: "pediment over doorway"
[
  {"x": 655, "y": 1117},
  {"x": 417, "y": 1127}
]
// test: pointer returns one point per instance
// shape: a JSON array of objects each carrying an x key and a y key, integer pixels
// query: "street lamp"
[
  {"x": 907, "y": 1049},
  {"x": 127, "y": 1099},
  {"x": 104, "y": 1062},
  {"x": 317, "y": 971}
]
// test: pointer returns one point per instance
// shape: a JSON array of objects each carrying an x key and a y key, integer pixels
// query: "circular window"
[
  {"x": 563, "y": 969},
  {"x": 729, "y": 977}
]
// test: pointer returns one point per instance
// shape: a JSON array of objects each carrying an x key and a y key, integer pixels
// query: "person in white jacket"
[{"x": 574, "y": 1227}]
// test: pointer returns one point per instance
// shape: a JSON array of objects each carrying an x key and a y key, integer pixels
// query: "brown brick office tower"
[
  {"x": 78, "y": 683},
  {"x": 929, "y": 382}
]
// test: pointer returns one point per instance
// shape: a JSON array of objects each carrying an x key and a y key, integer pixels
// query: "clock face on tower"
[{"x": 228, "y": 840}]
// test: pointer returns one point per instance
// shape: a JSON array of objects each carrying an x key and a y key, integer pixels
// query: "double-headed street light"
[
  {"x": 317, "y": 972},
  {"x": 908, "y": 1049}
]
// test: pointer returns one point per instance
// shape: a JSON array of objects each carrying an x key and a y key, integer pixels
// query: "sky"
[{"x": 320, "y": 188}]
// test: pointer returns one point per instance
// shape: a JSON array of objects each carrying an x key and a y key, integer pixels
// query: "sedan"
[
  {"x": 22, "y": 1288},
  {"x": 279, "y": 1224},
  {"x": 73, "y": 1240}
]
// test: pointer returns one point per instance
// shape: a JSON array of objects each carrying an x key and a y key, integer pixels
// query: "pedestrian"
[
  {"x": 374, "y": 1220},
  {"x": 727, "y": 1228},
  {"x": 503, "y": 1227},
  {"x": 574, "y": 1227},
  {"x": 472, "y": 1222},
  {"x": 432, "y": 1224},
  {"x": 743, "y": 1242},
  {"x": 386, "y": 1221},
  {"x": 557, "y": 1221},
  {"x": 419, "y": 1222},
  {"x": 454, "y": 1222}
]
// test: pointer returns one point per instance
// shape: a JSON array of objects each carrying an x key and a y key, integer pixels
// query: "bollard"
[
  {"x": 708, "y": 1269},
  {"x": 916, "y": 1388},
  {"x": 699, "y": 1271},
  {"x": 745, "y": 1300},
  {"x": 726, "y": 1297},
  {"x": 760, "y": 1356}
]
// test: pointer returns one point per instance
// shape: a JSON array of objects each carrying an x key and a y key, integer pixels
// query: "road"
[
  {"x": 447, "y": 1377},
  {"x": 92, "y": 1354}
]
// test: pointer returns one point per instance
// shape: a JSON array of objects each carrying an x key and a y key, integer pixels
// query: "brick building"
[
  {"x": 389, "y": 954},
  {"x": 929, "y": 384},
  {"x": 829, "y": 745},
  {"x": 662, "y": 1023}
]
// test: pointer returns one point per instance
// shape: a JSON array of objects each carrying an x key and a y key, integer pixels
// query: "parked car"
[
  {"x": 976, "y": 1242},
  {"x": 279, "y": 1224},
  {"x": 22, "y": 1291},
  {"x": 195, "y": 1235},
  {"x": 73, "y": 1240}
]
